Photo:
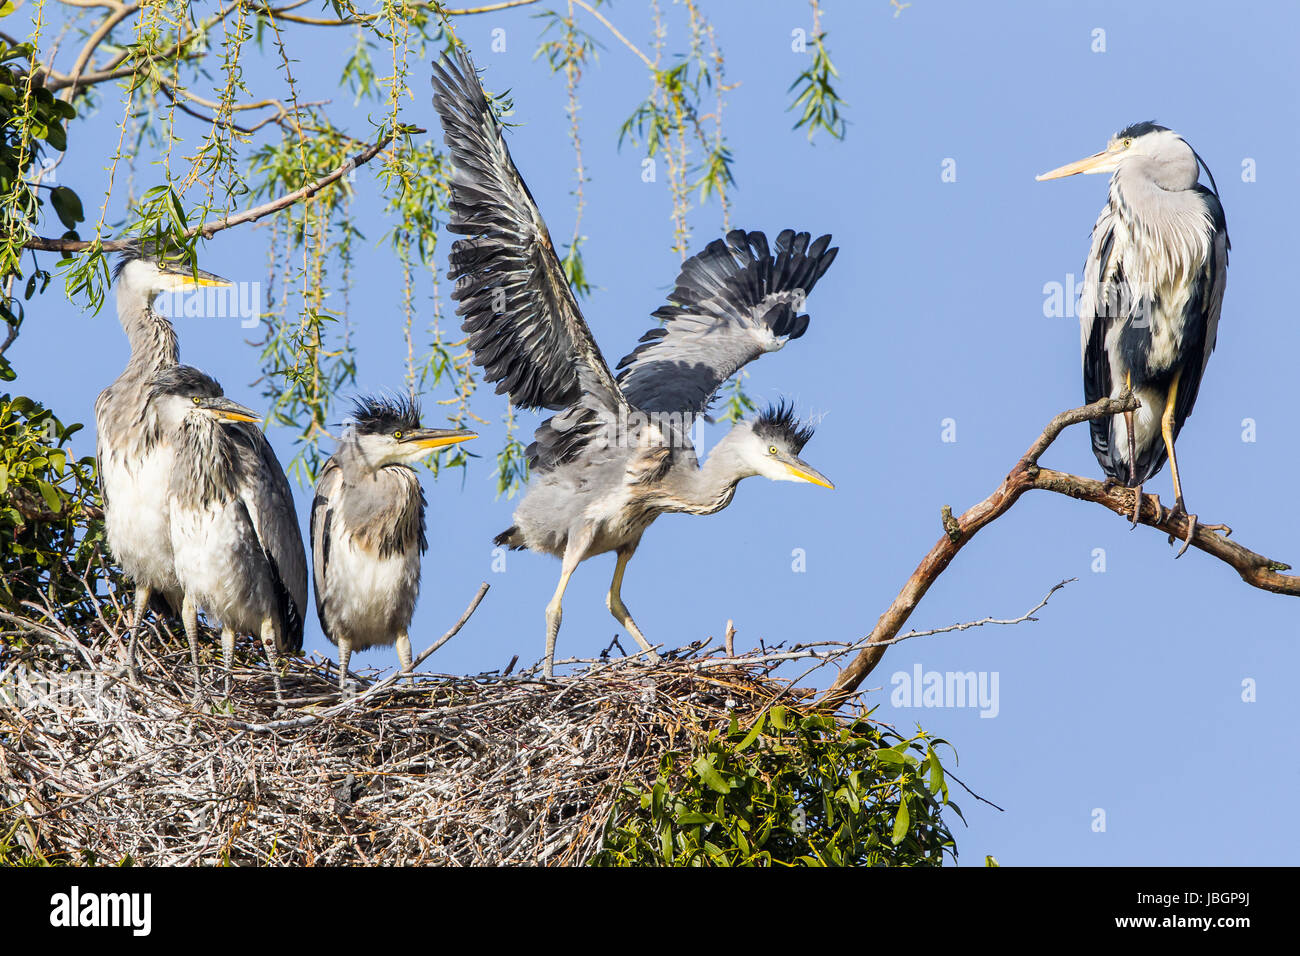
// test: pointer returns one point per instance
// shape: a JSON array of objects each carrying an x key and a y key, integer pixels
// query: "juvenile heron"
[
  {"x": 367, "y": 528},
  {"x": 234, "y": 536},
  {"x": 1153, "y": 288},
  {"x": 618, "y": 452},
  {"x": 134, "y": 455}
]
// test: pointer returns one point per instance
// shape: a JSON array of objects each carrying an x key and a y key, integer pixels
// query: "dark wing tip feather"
[{"x": 722, "y": 294}]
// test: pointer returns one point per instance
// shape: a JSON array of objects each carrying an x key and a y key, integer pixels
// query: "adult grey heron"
[
  {"x": 133, "y": 454},
  {"x": 367, "y": 528},
  {"x": 618, "y": 453},
  {"x": 235, "y": 543},
  {"x": 1152, "y": 292}
]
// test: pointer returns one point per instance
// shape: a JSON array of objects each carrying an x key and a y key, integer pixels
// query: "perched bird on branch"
[
  {"x": 618, "y": 452},
  {"x": 1152, "y": 292},
  {"x": 367, "y": 528},
  {"x": 234, "y": 535},
  {"x": 133, "y": 454}
]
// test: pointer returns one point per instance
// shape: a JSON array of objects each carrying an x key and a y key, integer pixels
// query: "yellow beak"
[
  {"x": 811, "y": 475},
  {"x": 442, "y": 440},
  {"x": 1103, "y": 162},
  {"x": 233, "y": 416}
]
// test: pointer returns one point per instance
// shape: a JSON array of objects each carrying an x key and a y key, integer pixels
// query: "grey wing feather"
[
  {"x": 733, "y": 302},
  {"x": 1204, "y": 305},
  {"x": 1103, "y": 283},
  {"x": 525, "y": 328},
  {"x": 266, "y": 493},
  {"x": 322, "y": 516}
]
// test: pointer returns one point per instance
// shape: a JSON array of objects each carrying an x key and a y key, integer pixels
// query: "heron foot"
[
  {"x": 1180, "y": 509},
  {"x": 1137, "y": 508}
]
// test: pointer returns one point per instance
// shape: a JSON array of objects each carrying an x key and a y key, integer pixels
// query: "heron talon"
[{"x": 1180, "y": 509}]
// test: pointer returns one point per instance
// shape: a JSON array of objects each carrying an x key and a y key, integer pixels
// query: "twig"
[{"x": 208, "y": 230}]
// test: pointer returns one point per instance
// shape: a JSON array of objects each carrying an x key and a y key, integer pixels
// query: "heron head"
[
  {"x": 770, "y": 446},
  {"x": 388, "y": 432},
  {"x": 150, "y": 271},
  {"x": 181, "y": 391},
  {"x": 1156, "y": 152}
]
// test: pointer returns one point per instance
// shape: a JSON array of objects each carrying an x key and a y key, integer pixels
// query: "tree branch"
[
  {"x": 210, "y": 229},
  {"x": 1255, "y": 569}
]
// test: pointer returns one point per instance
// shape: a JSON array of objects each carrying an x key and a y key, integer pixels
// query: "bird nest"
[{"x": 430, "y": 769}]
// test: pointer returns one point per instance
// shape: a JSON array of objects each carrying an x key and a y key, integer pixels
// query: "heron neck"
[
  {"x": 152, "y": 337},
  {"x": 207, "y": 467},
  {"x": 710, "y": 488}
]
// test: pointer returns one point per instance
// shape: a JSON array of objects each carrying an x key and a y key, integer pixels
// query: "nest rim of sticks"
[{"x": 418, "y": 768}]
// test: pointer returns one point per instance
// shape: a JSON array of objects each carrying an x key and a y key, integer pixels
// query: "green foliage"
[
  {"x": 50, "y": 525},
  {"x": 817, "y": 99},
  {"x": 31, "y": 124},
  {"x": 789, "y": 790}
]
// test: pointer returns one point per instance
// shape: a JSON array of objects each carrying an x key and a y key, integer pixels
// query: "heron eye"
[
  {"x": 771, "y": 449},
  {"x": 1128, "y": 143},
  {"x": 397, "y": 435},
  {"x": 197, "y": 400}
]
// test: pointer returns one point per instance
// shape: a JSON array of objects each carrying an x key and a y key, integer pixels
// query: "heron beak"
[
  {"x": 806, "y": 472},
  {"x": 438, "y": 437},
  {"x": 1103, "y": 162},
  {"x": 226, "y": 410},
  {"x": 198, "y": 279}
]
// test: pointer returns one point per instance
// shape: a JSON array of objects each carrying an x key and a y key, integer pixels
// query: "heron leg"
[
  {"x": 190, "y": 618},
  {"x": 228, "y": 653},
  {"x": 1167, "y": 431},
  {"x": 554, "y": 610},
  {"x": 404, "y": 650},
  {"x": 345, "y": 653},
  {"x": 614, "y": 601},
  {"x": 269, "y": 641},
  {"x": 142, "y": 595}
]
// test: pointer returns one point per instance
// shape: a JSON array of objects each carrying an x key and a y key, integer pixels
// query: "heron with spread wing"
[
  {"x": 617, "y": 453},
  {"x": 1152, "y": 293}
]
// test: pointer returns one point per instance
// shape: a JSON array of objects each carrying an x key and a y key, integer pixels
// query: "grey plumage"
[
  {"x": 133, "y": 454},
  {"x": 618, "y": 452},
  {"x": 1152, "y": 295},
  {"x": 368, "y": 528},
  {"x": 237, "y": 551}
]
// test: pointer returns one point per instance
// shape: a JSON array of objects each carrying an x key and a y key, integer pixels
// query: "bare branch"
[
  {"x": 210, "y": 229},
  {"x": 1255, "y": 569}
]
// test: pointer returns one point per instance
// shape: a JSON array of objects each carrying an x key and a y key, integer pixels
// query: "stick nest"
[{"x": 434, "y": 769}]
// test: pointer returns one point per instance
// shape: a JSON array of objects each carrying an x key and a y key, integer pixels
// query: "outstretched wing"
[
  {"x": 733, "y": 302},
  {"x": 269, "y": 500},
  {"x": 524, "y": 324}
]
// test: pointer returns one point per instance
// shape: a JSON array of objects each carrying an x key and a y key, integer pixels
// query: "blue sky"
[{"x": 1126, "y": 697}]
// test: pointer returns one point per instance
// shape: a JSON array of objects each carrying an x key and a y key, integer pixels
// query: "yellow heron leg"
[{"x": 1167, "y": 431}]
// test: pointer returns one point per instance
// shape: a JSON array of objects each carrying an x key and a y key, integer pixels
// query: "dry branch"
[
  {"x": 1255, "y": 569},
  {"x": 210, "y": 229}
]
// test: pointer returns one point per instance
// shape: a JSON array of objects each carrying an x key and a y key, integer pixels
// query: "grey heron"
[
  {"x": 368, "y": 530},
  {"x": 134, "y": 456},
  {"x": 1152, "y": 293},
  {"x": 618, "y": 452},
  {"x": 235, "y": 543}
]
